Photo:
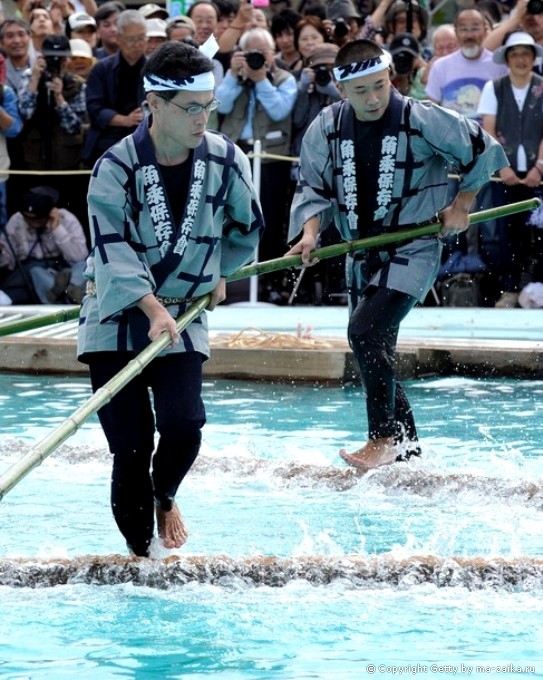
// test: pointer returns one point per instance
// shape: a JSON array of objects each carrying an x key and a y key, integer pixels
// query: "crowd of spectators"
[{"x": 71, "y": 86}]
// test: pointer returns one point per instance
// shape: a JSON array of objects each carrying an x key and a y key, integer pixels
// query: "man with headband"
[
  {"x": 173, "y": 212},
  {"x": 372, "y": 163}
]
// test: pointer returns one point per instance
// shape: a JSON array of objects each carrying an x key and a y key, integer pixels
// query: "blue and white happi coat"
[
  {"x": 137, "y": 249},
  {"x": 419, "y": 141}
]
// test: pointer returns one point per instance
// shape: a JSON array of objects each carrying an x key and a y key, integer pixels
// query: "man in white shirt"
[{"x": 456, "y": 80}]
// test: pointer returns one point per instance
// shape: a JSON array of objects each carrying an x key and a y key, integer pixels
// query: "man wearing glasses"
[
  {"x": 173, "y": 213},
  {"x": 115, "y": 88}
]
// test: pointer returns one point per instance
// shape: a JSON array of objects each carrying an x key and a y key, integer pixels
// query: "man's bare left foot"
[
  {"x": 375, "y": 453},
  {"x": 171, "y": 528}
]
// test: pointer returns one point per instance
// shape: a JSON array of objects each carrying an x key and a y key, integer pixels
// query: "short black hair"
[
  {"x": 108, "y": 9},
  {"x": 357, "y": 50},
  {"x": 14, "y": 22},
  {"x": 176, "y": 59},
  {"x": 283, "y": 21}
]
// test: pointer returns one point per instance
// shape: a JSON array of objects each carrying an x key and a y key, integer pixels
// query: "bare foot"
[
  {"x": 375, "y": 453},
  {"x": 171, "y": 527}
]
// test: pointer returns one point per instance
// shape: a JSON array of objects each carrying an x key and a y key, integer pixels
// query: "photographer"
[
  {"x": 316, "y": 89},
  {"x": 256, "y": 101},
  {"x": 345, "y": 21},
  {"x": 407, "y": 65},
  {"x": 527, "y": 15},
  {"x": 52, "y": 104},
  {"x": 43, "y": 251},
  {"x": 53, "y": 108}
]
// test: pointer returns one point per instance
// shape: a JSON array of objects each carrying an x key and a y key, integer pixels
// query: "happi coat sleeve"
[{"x": 137, "y": 249}]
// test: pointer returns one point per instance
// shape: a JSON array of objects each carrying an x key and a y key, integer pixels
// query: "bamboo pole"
[
  {"x": 382, "y": 239},
  {"x": 32, "y": 322},
  {"x": 295, "y": 260},
  {"x": 40, "y": 451}
]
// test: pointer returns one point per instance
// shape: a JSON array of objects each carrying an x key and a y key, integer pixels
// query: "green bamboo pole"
[
  {"x": 32, "y": 322},
  {"x": 382, "y": 239},
  {"x": 296, "y": 260},
  {"x": 40, "y": 451}
]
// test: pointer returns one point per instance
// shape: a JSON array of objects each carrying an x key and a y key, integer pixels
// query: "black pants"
[
  {"x": 128, "y": 421},
  {"x": 373, "y": 333}
]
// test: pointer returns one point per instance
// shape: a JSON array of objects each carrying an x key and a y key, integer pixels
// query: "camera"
[
  {"x": 341, "y": 29},
  {"x": 52, "y": 66},
  {"x": 255, "y": 59},
  {"x": 534, "y": 7},
  {"x": 403, "y": 62},
  {"x": 322, "y": 75}
]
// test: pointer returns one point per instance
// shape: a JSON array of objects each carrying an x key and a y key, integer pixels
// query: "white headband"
[
  {"x": 200, "y": 83},
  {"x": 362, "y": 68},
  {"x": 203, "y": 82}
]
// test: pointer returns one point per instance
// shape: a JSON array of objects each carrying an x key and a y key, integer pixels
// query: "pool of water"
[{"x": 269, "y": 483}]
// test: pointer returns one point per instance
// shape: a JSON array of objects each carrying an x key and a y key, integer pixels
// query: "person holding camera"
[
  {"x": 408, "y": 66},
  {"x": 53, "y": 108},
  {"x": 52, "y": 104},
  {"x": 43, "y": 251},
  {"x": 256, "y": 102},
  {"x": 316, "y": 89},
  {"x": 309, "y": 33},
  {"x": 344, "y": 19},
  {"x": 526, "y": 15}
]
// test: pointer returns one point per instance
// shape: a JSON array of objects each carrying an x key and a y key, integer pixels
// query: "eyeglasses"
[
  {"x": 470, "y": 29},
  {"x": 134, "y": 40},
  {"x": 195, "y": 109}
]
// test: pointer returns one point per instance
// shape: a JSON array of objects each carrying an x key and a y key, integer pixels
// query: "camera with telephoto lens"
[
  {"x": 403, "y": 62},
  {"x": 322, "y": 75},
  {"x": 52, "y": 66},
  {"x": 534, "y": 7},
  {"x": 340, "y": 28},
  {"x": 255, "y": 59}
]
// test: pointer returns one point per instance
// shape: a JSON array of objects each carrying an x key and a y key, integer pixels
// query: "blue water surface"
[{"x": 477, "y": 495}]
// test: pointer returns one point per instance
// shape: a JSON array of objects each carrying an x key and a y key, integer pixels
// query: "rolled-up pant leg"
[{"x": 373, "y": 333}]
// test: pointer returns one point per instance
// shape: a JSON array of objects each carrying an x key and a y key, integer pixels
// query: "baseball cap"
[
  {"x": 39, "y": 201},
  {"x": 79, "y": 20},
  {"x": 155, "y": 28},
  {"x": 56, "y": 46},
  {"x": 81, "y": 48},
  {"x": 152, "y": 10},
  {"x": 405, "y": 42}
]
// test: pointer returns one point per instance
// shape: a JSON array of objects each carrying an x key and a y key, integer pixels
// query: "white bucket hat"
[{"x": 516, "y": 39}]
